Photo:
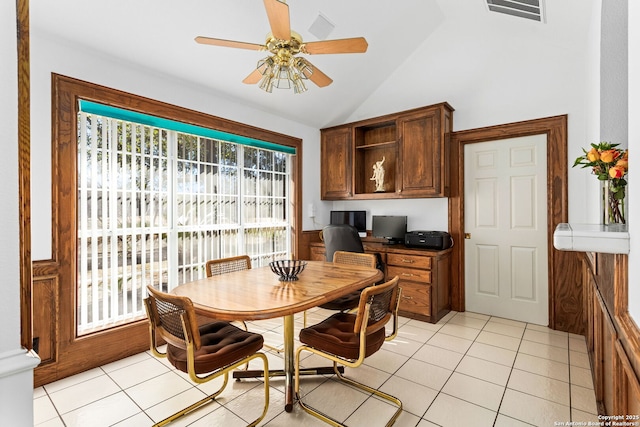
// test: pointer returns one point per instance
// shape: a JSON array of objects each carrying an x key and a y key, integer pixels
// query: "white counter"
[{"x": 610, "y": 239}]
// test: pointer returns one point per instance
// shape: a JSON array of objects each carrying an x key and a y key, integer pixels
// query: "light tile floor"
[{"x": 466, "y": 370}]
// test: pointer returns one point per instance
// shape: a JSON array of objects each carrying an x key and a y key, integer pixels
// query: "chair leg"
[
  {"x": 212, "y": 397},
  {"x": 326, "y": 418}
]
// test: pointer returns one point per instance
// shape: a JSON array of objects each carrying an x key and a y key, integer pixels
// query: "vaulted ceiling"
[{"x": 158, "y": 35}]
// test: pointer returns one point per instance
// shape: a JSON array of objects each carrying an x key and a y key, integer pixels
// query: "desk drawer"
[
  {"x": 412, "y": 261},
  {"x": 413, "y": 274},
  {"x": 415, "y": 298}
]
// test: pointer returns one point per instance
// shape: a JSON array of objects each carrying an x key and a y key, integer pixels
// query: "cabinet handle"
[
  {"x": 408, "y": 274},
  {"x": 406, "y": 297},
  {"x": 408, "y": 261}
]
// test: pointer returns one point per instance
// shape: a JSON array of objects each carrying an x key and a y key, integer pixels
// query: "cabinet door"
[
  {"x": 336, "y": 164},
  {"x": 421, "y": 154}
]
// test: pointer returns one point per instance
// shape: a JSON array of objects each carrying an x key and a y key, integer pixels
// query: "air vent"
[
  {"x": 321, "y": 27},
  {"x": 529, "y": 9}
]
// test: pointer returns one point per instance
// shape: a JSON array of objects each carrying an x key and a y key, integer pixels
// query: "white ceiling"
[{"x": 158, "y": 35}]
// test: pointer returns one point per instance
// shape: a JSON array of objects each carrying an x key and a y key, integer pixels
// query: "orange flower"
[
  {"x": 623, "y": 164},
  {"x": 616, "y": 172},
  {"x": 609, "y": 156},
  {"x": 593, "y": 155}
]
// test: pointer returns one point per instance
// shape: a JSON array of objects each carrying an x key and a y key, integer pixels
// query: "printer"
[{"x": 428, "y": 239}]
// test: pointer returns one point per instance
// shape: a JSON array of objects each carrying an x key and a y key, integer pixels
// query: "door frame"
[{"x": 565, "y": 294}]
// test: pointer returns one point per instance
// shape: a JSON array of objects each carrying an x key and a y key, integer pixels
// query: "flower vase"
[{"x": 612, "y": 206}]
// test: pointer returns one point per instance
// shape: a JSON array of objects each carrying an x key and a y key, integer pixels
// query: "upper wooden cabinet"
[
  {"x": 336, "y": 152},
  {"x": 413, "y": 146}
]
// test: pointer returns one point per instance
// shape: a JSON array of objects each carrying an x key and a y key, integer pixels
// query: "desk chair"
[
  {"x": 204, "y": 352},
  {"x": 349, "y": 338},
  {"x": 341, "y": 237},
  {"x": 216, "y": 267},
  {"x": 349, "y": 301},
  {"x": 344, "y": 238}
]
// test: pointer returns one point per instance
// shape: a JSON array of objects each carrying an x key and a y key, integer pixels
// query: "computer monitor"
[
  {"x": 357, "y": 219},
  {"x": 390, "y": 227}
]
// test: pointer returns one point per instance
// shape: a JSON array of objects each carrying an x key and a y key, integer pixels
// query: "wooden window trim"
[{"x": 69, "y": 354}]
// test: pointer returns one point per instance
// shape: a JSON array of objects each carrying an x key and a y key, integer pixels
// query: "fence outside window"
[{"x": 155, "y": 204}]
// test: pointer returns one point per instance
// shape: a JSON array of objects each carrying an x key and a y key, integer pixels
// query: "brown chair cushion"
[
  {"x": 222, "y": 344},
  {"x": 343, "y": 303},
  {"x": 335, "y": 335}
]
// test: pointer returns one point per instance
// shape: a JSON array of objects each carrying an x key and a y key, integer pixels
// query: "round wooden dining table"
[{"x": 258, "y": 293}]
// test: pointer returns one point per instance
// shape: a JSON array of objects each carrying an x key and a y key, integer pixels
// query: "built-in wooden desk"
[{"x": 424, "y": 277}]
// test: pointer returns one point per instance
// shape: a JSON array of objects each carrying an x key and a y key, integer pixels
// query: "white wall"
[
  {"x": 51, "y": 56},
  {"x": 518, "y": 72},
  {"x": 620, "y": 100},
  {"x": 498, "y": 69},
  {"x": 9, "y": 249},
  {"x": 614, "y": 77}
]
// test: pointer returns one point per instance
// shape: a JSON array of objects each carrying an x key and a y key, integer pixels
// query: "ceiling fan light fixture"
[
  {"x": 265, "y": 65},
  {"x": 298, "y": 85},
  {"x": 303, "y": 66},
  {"x": 283, "y": 73}
]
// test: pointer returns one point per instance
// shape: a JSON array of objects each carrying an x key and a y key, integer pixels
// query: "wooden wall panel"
[
  {"x": 566, "y": 305},
  {"x": 45, "y": 291},
  {"x": 627, "y": 392},
  {"x": 606, "y": 355},
  {"x": 24, "y": 171},
  {"x": 588, "y": 312},
  {"x": 604, "y": 275},
  {"x": 306, "y": 238},
  {"x": 613, "y": 338}
]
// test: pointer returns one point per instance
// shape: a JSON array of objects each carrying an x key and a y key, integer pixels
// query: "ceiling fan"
[{"x": 283, "y": 69}]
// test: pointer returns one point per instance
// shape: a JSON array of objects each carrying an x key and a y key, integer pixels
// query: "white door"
[{"x": 505, "y": 216}]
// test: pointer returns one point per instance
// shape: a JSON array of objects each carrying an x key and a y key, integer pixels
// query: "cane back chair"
[
  {"x": 204, "y": 352},
  {"x": 216, "y": 267},
  {"x": 349, "y": 338}
]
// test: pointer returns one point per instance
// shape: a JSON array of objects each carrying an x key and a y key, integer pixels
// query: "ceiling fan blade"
[
  {"x": 317, "y": 76},
  {"x": 228, "y": 43},
  {"x": 253, "y": 78},
  {"x": 352, "y": 45},
  {"x": 278, "y": 13}
]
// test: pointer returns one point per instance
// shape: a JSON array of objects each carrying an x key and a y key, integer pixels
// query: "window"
[{"x": 155, "y": 203}]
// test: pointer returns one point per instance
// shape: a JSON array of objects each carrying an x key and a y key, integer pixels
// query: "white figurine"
[{"x": 378, "y": 175}]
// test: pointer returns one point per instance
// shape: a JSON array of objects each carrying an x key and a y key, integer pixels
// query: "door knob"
[{"x": 467, "y": 235}]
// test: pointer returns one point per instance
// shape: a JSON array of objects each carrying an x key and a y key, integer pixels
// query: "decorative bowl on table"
[{"x": 288, "y": 269}]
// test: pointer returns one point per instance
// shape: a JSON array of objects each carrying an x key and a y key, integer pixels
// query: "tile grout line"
[{"x": 506, "y": 385}]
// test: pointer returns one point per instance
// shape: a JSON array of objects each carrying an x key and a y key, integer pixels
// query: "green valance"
[{"x": 160, "y": 122}]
